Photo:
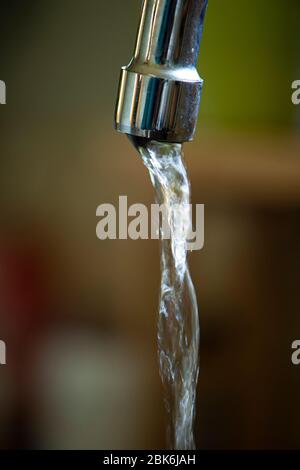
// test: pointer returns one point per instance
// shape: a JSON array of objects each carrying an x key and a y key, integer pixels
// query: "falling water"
[{"x": 178, "y": 323}]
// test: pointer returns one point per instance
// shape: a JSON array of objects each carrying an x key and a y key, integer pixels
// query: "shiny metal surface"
[{"x": 159, "y": 91}]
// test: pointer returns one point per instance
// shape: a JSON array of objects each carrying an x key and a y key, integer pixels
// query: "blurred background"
[{"x": 78, "y": 315}]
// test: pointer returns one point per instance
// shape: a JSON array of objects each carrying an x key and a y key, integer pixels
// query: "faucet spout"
[{"x": 160, "y": 90}]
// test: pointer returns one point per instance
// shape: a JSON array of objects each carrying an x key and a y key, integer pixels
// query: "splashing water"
[{"x": 178, "y": 323}]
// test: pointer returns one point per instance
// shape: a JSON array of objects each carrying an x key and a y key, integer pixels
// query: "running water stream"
[{"x": 178, "y": 323}]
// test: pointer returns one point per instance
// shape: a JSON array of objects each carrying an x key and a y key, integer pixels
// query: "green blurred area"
[{"x": 250, "y": 56}]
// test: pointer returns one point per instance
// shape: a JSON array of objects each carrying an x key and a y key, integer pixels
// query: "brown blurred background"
[{"x": 78, "y": 314}]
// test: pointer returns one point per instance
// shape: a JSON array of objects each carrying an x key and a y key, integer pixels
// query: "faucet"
[{"x": 160, "y": 90}]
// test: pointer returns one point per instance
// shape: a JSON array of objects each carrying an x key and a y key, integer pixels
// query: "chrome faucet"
[{"x": 160, "y": 90}]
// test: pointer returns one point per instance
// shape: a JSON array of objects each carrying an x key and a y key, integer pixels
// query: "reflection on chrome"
[{"x": 159, "y": 91}]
